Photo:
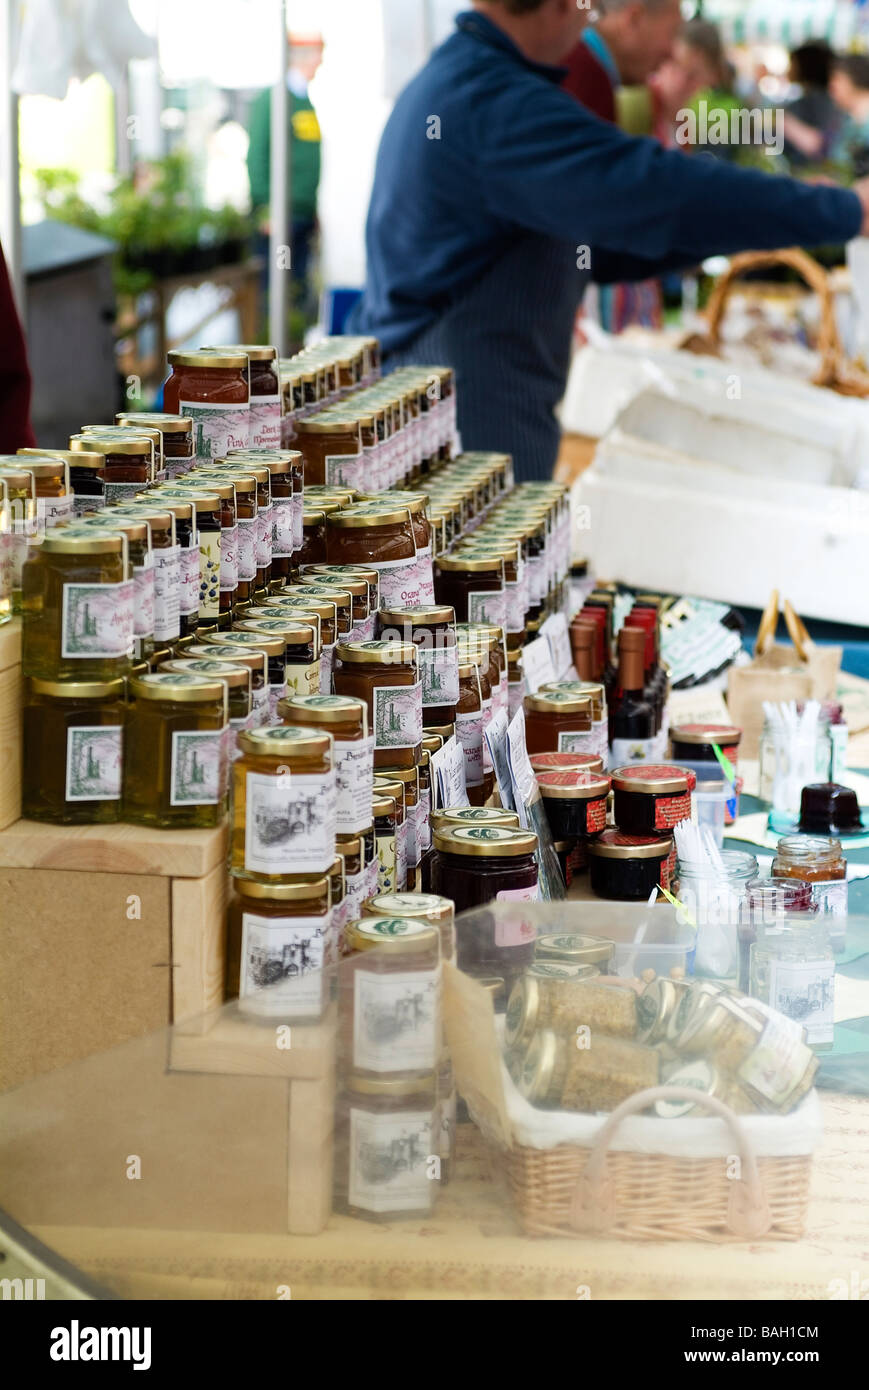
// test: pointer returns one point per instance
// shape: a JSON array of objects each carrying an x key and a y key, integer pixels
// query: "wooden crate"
[{"x": 11, "y": 687}]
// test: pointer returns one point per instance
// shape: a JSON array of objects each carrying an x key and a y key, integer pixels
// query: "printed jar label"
[
  {"x": 776, "y": 1064},
  {"x": 327, "y": 658},
  {"x": 397, "y": 1020},
  {"x": 344, "y": 470},
  {"x": 298, "y": 519},
  {"x": 247, "y": 547},
  {"x": 488, "y": 607},
  {"x": 167, "y": 593},
  {"x": 633, "y": 750},
  {"x": 198, "y": 761},
  {"x": 282, "y": 528},
  {"x": 595, "y": 816},
  {"x": 389, "y": 1154},
  {"x": 123, "y": 492},
  {"x": 385, "y": 864},
  {"x": 354, "y": 775},
  {"x": 143, "y": 599},
  {"x": 439, "y": 674},
  {"x": 277, "y": 693},
  {"x": 831, "y": 897},
  {"x": 425, "y": 574},
  {"x": 85, "y": 503},
  {"x": 356, "y": 890},
  {"x": 424, "y": 826},
  {"x": 401, "y": 854},
  {"x": 516, "y": 606},
  {"x": 302, "y": 679},
  {"x": 265, "y": 422},
  {"x": 97, "y": 620},
  {"x": 289, "y": 823},
  {"x": 366, "y": 629},
  {"x": 398, "y": 716},
  {"x": 93, "y": 762},
  {"x": 228, "y": 559},
  {"x": 264, "y": 537},
  {"x": 570, "y": 742},
  {"x": 670, "y": 810},
  {"x": 282, "y": 962},
  {"x": 209, "y": 574},
  {"x": 469, "y": 732},
  {"x": 50, "y": 511},
  {"x": 516, "y": 931},
  {"x": 804, "y": 992},
  {"x": 399, "y": 583},
  {"x": 217, "y": 428},
  {"x": 189, "y": 564}
]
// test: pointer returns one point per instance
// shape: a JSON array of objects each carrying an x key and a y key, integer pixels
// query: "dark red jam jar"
[
  {"x": 693, "y": 742},
  {"x": 651, "y": 797},
  {"x": 481, "y": 865},
  {"x": 627, "y": 867},
  {"x": 575, "y": 803}
]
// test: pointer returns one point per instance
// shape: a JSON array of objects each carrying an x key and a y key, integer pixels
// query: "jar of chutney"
[
  {"x": 77, "y": 596},
  {"x": 174, "y": 774},
  {"x": 73, "y": 734}
]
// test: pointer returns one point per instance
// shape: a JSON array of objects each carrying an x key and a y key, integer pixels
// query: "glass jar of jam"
[
  {"x": 363, "y": 621},
  {"x": 626, "y": 867},
  {"x": 479, "y": 865},
  {"x": 322, "y": 613},
  {"x": 575, "y": 803},
  {"x": 818, "y": 860},
  {"x": 86, "y": 477},
  {"x": 177, "y": 436},
  {"x": 251, "y": 660},
  {"x": 515, "y": 582},
  {"x": 425, "y": 907},
  {"x": 469, "y": 722},
  {"x": 72, "y": 751},
  {"x": 77, "y": 596},
  {"x": 213, "y": 389},
  {"x": 651, "y": 798},
  {"x": 265, "y": 393},
  {"x": 352, "y": 849},
  {"x": 388, "y": 786},
  {"x": 385, "y": 676},
  {"x": 215, "y": 604},
  {"x": 386, "y": 1131},
  {"x": 432, "y": 629},
  {"x": 272, "y": 648},
  {"x": 388, "y": 813},
  {"x": 287, "y": 474},
  {"x": 127, "y": 463},
  {"x": 250, "y": 579},
  {"x": 381, "y": 540},
  {"x": 138, "y": 533},
  {"x": 416, "y": 504},
  {"x": 276, "y": 940},
  {"x": 346, "y": 719},
  {"x": 342, "y": 572},
  {"x": 391, "y": 996},
  {"x": 166, "y": 559},
  {"x": 228, "y": 514},
  {"x": 136, "y": 433},
  {"x": 408, "y": 777},
  {"x": 558, "y": 722},
  {"x": 174, "y": 770},
  {"x": 332, "y": 449},
  {"x": 473, "y": 816},
  {"x": 301, "y": 661},
  {"x": 565, "y": 762},
  {"x": 51, "y": 484},
  {"x": 473, "y": 586},
  {"x": 694, "y": 742},
  {"x": 283, "y": 803}
]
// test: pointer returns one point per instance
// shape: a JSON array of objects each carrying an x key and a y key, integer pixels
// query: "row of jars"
[{"x": 323, "y": 373}]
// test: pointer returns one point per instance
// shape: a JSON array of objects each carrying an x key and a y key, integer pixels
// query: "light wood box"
[{"x": 11, "y": 694}]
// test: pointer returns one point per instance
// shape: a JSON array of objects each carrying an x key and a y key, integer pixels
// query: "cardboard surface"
[
  {"x": 469, "y": 1020},
  {"x": 11, "y": 689},
  {"x": 112, "y": 849}
]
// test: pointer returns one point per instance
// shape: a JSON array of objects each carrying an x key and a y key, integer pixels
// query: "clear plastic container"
[{"x": 710, "y": 805}]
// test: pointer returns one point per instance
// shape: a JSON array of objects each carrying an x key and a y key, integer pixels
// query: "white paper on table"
[
  {"x": 537, "y": 665},
  {"x": 556, "y": 632},
  {"x": 521, "y": 772},
  {"x": 496, "y": 737},
  {"x": 448, "y": 765}
]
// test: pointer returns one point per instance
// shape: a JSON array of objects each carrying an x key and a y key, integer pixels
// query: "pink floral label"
[
  {"x": 282, "y": 528},
  {"x": 97, "y": 620},
  {"x": 217, "y": 428},
  {"x": 264, "y": 537},
  {"x": 190, "y": 580},
  {"x": 399, "y": 584},
  {"x": 247, "y": 548},
  {"x": 345, "y": 470},
  {"x": 228, "y": 558},
  {"x": 425, "y": 574},
  {"x": 265, "y": 422},
  {"x": 469, "y": 732}
]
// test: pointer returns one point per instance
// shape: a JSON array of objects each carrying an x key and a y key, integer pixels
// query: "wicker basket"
[
  {"x": 835, "y": 372},
  {"x": 646, "y": 1196}
]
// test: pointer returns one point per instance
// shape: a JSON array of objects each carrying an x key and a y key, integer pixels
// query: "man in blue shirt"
[{"x": 497, "y": 197}]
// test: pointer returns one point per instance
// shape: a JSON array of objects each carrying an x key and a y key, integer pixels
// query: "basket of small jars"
[{"x": 655, "y": 1108}]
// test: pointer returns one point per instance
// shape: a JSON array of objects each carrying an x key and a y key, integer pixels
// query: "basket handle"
[
  {"x": 593, "y": 1205},
  {"x": 829, "y": 342}
]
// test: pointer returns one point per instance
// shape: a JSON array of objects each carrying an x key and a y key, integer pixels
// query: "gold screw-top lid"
[
  {"x": 133, "y": 445},
  {"x": 249, "y": 657},
  {"x": 70, "y": 540},
  {"x": 245, "y": 641},
  {"x": 614, "y": 844},
  {"x": 397, "y": 935},
  {"x": 158, "y": 685},
  {"x": 423, "y": 1084},
  {"x": 211, "y": 482},
  {"x": 257, "y": 352},
  {"x": 469, "y": 564},
  {"x": 356, "y": 518},
  {"x": 166, "y": 424},
  {"x": 133, "y": 529},
  {"x": 424, "y": 615},
  {"x": 560, "y": 785},
  {"x": 651, "y": 778},
  {"x": 485, "y": 841},
  {"x": 430, "y": 906},
  {"x": 285, "y": 741},
  {"x": 474, "y": 815},
  {"x": 377, "y": 653},
  {"x": 301, "y": 889},
  {"x": 301, "y": 603},
  {"x": 574, "y": 950},
  {"x": 538, "y": 1069},
  {"x": 294, "y": 634},
  {"x": 200, "y": 501},
  {"x": 225, "y": 361},
  {"x": 231, "y": 675},
  {"x": 384, "y": 805},
  {"x": 324, "y": 709},
  {"x": 558, "y": 702},
  {"x": 78, "y": 690}
]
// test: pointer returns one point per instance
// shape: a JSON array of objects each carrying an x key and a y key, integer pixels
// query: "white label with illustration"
[
  {"x": 209, "y": 574},
  {"x": 399, "y": 583},
  {"x": 354, "y": 773},
  {"x": 385, "y": 864},
  {"x": 265, "y": 422},
  {"x": 831, "y": 897},
  {"x": 775, "y": 1064},
  {"x": 143, "y": 598},
  {"x": 570, "y": 742},
  {"x": 217, "y": 428},
  {"x": 803, "y": 991},
  {"x": 398, "y": 716},
  {"x": 298, "y": 519},
  {"x": 389, "y": 1161},
  {"x": 51, "y": 511},
  {"x": 264, "y": 537},
  {"x": 190, "y": 574},
  {"x": 469, "y": 732},
  {"x": 289, "y": 823},
  {"x": 345, "y": 470},
  {"x": 302, "y": 679},
  {"x": 439, "y": 674},
  {"x": 228, "y": 558},
  {"x": 198, "y": 761},
  {"x": 85, "y": 503},
  {"x": 282, "y": 959},
  {"x": 93, "y": 762},
  {"x": 167, "y": 593},
  {"x": 396, "y": 1020},
  {"x": 97, "y": 620}
]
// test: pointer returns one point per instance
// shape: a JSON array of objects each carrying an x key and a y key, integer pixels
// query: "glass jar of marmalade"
[
  {"x": 432, "y": 629},
  {"x": 265, "y": 393},
  {"x": 387, "y": 1130},
  {"x": 174, "y": 772},
  {"x": 385, "y": 676},
  {"x": 346, "y": 719},
  {"x": 383, "y": 540},
  {"x": 276, "y": 949},
  {"x": 331, "y": 448},
  {"x": 301, "y": 661},
  {"x": 77, "y": 597},
  {"x": 473, "y": 586},
  {"x": 177, "y": 435},
  {"x": 214, "y": 604},
  {"x": 72, "y": 751},
  {"x": 283, "y": 803},
  {"x": 127, "y": 463},
  {"x": 818, "y": 860},
  {"x": 391, "y": 996},
  {"x": 213, "y": 389},
  {"x": 558, "y": 722}
]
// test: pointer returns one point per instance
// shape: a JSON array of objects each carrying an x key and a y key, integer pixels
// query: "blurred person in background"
[
  {"x": 849, "y": 147},
  {"x": 306, "y": 56},
  {"x": 497, "y": 198},
  {"x": 708, "y": 76},
  {"x": 811, "y": 68},
  {"x": 16, "y": 431}
]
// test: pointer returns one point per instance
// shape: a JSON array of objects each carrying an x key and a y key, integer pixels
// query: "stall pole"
[{"x": 280, "y": 213}]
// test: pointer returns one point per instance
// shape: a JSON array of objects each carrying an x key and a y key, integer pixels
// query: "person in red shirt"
[
  {"x": 629, "y": 40},
  {"x": 16, "y": 431}
]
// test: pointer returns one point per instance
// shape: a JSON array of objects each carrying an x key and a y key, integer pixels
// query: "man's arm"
[{"x": 554, "y": 168}]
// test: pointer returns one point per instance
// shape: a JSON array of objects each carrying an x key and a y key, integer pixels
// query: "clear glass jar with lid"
[
  {"x": 559, "y": 722},
  {"x": 391, "y": 996},
  {"x": 19, "y": 530},
  {"x": 136, "y": 433},
  {"x": 474, "y": 586},
  {"x": 299, "y": 634},
  {"x": 818, "y": 860},
  {"x": 792, "y": 970},
  {"x": 331, "y": 446},
  {"x": 177, "y": 436},
  {"x": 215, "y": 605},
  {"x": 283, "y": 803},
  {"x": 174, "y": 774},
  {"x": 352, "y": 849},
  {"x": 252, "y": 659},
  {"x": 127, "y": 460},
  {"x": 715, "y": 898},
  {"x": 72, "y": 751},
  {"x": 408, "y": 778},
  {"x": 346, "y": 719},
  {"x": 246, "y": 513},
  {"x": 394, "y": 787},
  {"x": 381, "y": 539},
  {"x": 765, "y": 1055},
  {"x": 166, "y": 558},
  {"x": 77, "y": 596},
  {"x": 556, "y": 1074},
  {"x": 427, "y": 907},
  {"x": 265, "y": 392},
  {"x": 287, "y": 470},
  {"x": 432, "y": 629},
  {"x": 387, "y": 1130},
  {"x": 138, "y": 533},
  {"x": 213, "y": 389},
  {"x": 86, "y": 476},
  {"x": 388, "y": 813},
  {"x": 236, "y": 678},
  {"x": 54, "y": 495},
  {"x": 385, "y": 676},
  {"x": 277, "y": 935}
]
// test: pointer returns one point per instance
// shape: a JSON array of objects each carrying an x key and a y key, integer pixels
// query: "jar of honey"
[
  {"x": 276, "y": 949},
  {"x": 301, "y": 663},
  {"x": 77, "y": 595},
  {"x": 72, "y": 751},
  {"x": 818, "y": 860},
  {"x": 387, "y": 1130},
  {"x": 346, "y": 719},
  {"x": 283, "y": 803},
  {"x": 391, "y": 996},
  {"x": 174, "y": 772},
  {"x": 177, "y": 435}
]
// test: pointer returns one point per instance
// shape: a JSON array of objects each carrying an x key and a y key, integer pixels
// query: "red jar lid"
[
  {"x": 566, "y": 762},
  {"x": 572, "y": 785},
  {"x": 653, "y": 778},
  {"x": 615, "y": 844}
]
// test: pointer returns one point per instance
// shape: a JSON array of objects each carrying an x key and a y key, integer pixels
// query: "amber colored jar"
[
  {"x": 382, "y": 540},
  {"x": 352, "y": 850},
  {"x": 287, "y": 491},
  {"x": 473, "y": 586},
  {"x": 346, "y": 720},
  {"x": 324, "y": 593},
  {"x": 409, "y": 779},
  {"x": 331, "y": 448},
  {"x": 515, "y": 580},
  {"x": 301, "y": 663},
  {"x": 127, "y": 463},
  {"x": 470, "y": 718},
  {"x": 138, "y": 533},
  {"x": 416, "y": 503},
  {"x": 425, "y": 907},
  {"x": 86, "y": 477},
  {"x": 627, "y": 867},
  {"x": 558, "y": 722},
  {"x": 386, "y": 1131},
  {"x": 265, "y": 392},
  {"x": 72, "y": 751},
  {"x": 575, "y": 803},
  {"x": 291, "y": 606},
  {"x": 818, "y": 860},
  {"x": 166, "y": 561},
  {"x": 253, "y": 660},
  {"x": 385, "y": 676},
  {"x": 177, "y": 436},
  {"x": 238, "y": 682},
  {"x": 136, "y": 433},
  {"x": 174, "y": 771},
  {"x": 276, "y": 949},
  {"x": 362, "y": 620},
  {"x": 55, "y": 502},
  {"x": 431, "y": 628},
  {"x": 490, "y": 641},
  {"x": 246, "y": 509},
  {"x": 386, "y": 785},
  {"x": 390, "y": 988},
  {"x": 77, "y": 597},
  {"x": 340, "y": 572},
  {"x": 312, "y": 550},
  {"x": 651, "y": 798},
  {"x": 283, "y": 803},
  {"x": 213, "y": 389}
]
